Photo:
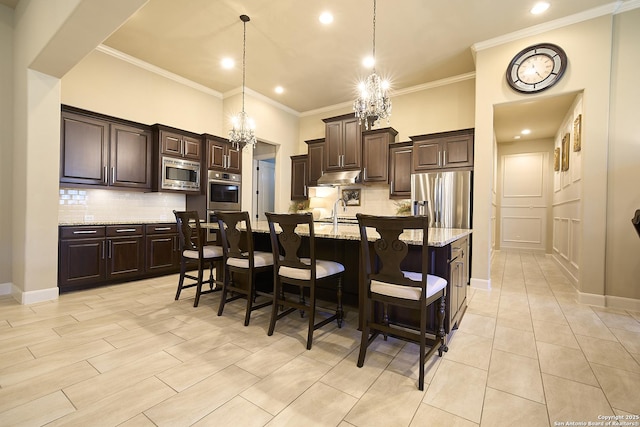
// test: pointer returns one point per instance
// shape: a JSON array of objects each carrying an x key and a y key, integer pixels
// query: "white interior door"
[
  {"x": 264, "y": 174},
  {"x": 524, "y": 201}
]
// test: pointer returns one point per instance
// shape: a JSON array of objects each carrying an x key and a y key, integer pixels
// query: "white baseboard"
[
  {"x": 480, "y": 284},
  {"x": 5, "y": 288},
  {"x": 592, "y": 299},
  {"x": 32, "y": 297},
  {"x": 622, "y": 303}
]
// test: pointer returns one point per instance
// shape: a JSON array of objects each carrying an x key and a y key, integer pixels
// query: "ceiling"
[{"x": 417, "y": 41}]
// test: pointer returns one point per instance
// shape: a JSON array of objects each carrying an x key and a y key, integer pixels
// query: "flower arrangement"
[
  {"x": 298, "y": 205},
  {"x": 403, "y": 207}
]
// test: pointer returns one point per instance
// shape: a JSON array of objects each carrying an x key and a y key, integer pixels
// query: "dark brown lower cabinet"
[
  {"x": 125, "y": 251},
  {"x": 96, "y": 255},
  {"x": 161, "y": 244},
  {"x": 81, "y": 256}
]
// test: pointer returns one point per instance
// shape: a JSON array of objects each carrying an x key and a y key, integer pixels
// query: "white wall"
[
  {"x": 623, "y": 244},
  {"x": 567, "y": 198},
  {"x": 6, "y": 144}
]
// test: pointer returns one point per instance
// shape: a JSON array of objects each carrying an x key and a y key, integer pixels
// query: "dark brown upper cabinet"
[
  {"x": 104, "y": 151},
  {"x": 299, "y": 165},
  {"x": 400, "y": 170},
  {"x": 343, "y": 143},
  {"x": 443, "y": 150},
  {"x": 222, "y": 156},
  {"x": 375, "y": 154},
  {"x": 178, "y": 143},
  {"x": 315, "y": 151}
]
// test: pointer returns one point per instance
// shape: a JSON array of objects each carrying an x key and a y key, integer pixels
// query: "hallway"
[{"x": 526, "y": 353}]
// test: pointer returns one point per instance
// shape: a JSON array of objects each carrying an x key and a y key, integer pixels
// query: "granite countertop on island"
[{"x": 438, "y": 237}]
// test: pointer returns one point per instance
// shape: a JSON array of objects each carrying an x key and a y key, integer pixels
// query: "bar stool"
[
  {"x": 241, "y": 258},
  {"x": 193, "y": 248},
  {"x": 292, "y": 268},
  {"x": 387, "y": 284}
]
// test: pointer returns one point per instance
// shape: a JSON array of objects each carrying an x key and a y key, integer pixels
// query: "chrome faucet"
[{"x": 335, "y": 211}]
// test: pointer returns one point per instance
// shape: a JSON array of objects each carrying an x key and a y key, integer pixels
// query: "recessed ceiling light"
[
  {"x": 279, "y": 89},
  {"x": 516, "y": 137},
  {"x": 326, "y": 18},
  {"x": 227, "y": 63},
  {"x": 539, "y": 7},
  {"x": 525, "y": 131},
  {"x": 368, "y": 62}
]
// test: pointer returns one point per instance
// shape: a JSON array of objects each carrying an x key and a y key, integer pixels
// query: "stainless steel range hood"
[{"x": 338, "y": 178}]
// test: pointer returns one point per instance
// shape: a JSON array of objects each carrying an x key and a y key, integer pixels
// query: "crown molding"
[
  {"x": 157, "y": 70},
  {"x": 627, "y": 6},
  {"x": 608, "y": 9}
]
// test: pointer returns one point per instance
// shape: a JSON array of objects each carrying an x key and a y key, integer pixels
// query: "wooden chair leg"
[
  {"x": 223, "y": 297},
  {"x": 312, "y": 317},
  {"x": 340, "y": 310},
  {"x": 183, "y": 269},
  {"x": 364, "y": 339},
  {"x": 441, "y": 333},
  {"x": 423, "y": 346},
  {"x": 274, "y": 310},
  {"x": 247, "y": 314},
  {"x": 199, "y": 286}
]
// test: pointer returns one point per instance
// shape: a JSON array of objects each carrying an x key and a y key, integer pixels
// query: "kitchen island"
[{"x": 448, "y": 258}]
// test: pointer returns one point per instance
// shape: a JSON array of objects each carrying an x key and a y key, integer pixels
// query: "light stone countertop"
[{"x": 438, "y": 237}]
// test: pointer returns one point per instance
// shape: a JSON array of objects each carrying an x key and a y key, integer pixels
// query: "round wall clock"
[{"x": 536, "y": 68}]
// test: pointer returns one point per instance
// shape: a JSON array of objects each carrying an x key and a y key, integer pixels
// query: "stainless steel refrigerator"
[{"x": 444, "y": 196}]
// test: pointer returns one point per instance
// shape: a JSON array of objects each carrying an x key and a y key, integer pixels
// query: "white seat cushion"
[
  {"x": 260, "y": 259},
  {"x": 207, "y": 252},
  {"x": 323, "y": 269},
  {"x": 434, "y": 284}
]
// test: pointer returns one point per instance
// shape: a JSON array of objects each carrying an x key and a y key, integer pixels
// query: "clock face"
[{"x": 536, "y": 68}]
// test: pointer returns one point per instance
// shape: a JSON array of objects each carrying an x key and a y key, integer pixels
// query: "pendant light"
[
  {"x": 242, "y": 134},
  {"x": 373, "y": 103}
]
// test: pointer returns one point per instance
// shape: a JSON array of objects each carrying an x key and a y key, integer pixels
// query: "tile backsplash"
[
  {"x": 78, "y": 206},
  {"x": 373, "y": 200}
]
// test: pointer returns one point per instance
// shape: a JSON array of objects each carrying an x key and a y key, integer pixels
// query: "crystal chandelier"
[
  {"x": 373, "y": 103},
  {"x": 242, "y": 134}
]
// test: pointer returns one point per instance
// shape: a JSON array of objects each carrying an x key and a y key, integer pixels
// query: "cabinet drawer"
[
  {"x": 124, "y": 230},
  {"x": 81, "y": 232},
  {"x": 161, "y": 228},
  {"x": 458, "y": 248}
]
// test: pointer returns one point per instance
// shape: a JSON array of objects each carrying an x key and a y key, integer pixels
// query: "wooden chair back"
[
  {"x": 288, "y": 245},
  {"x": 189, "y": 231},
  {"x": 385, "y": 264}
]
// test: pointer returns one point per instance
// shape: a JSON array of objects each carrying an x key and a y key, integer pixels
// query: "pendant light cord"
[
  {"x": 374, "y": 36},
  {"x": 244, "y": 56}
]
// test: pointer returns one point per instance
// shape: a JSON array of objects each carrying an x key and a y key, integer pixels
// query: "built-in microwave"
[
  {"x": 180, "y": 174},
  {"x": 224, "y": 191}
]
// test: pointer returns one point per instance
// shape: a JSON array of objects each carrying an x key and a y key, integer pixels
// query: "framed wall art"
[
  {"x": 577, "y": 133},
  {"x": 351, "y": 197},
  {"x": 565, "y": 152},
  {"x": 556, "y": 159}
]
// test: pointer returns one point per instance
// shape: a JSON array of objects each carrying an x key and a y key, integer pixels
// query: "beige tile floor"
[{"x": 526, "y": 354}]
